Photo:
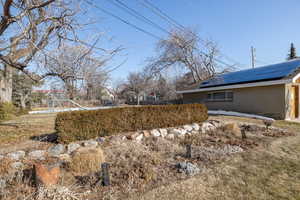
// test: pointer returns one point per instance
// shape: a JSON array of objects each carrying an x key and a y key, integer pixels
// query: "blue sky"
[{"x": 269, "y": 25}]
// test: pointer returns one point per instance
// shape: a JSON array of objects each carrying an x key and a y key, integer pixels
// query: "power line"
[
  {"x": 136, "y": 14},
  {"x": 163, "y": 15},
  {"x": 173, "y": 22},
  {"x": 123, "y": 20},
  {"x": 145, "y": 31}
]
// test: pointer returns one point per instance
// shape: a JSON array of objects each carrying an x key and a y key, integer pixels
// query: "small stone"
[
  {"x": 178, "y": 132},
  {"x": 90, "y": 143},
  {"x": 37, "y": 155},
  {"x": 163, "y": 132},
  {"x": 187, "y": 168},
  {"x": 146, "y": 133},
  {"x": 65, "y": 157},
  {"x": 17, "y": 165},
  {"x": 139, "y": 138},
  {"x": 72, "y": 147},
  {"x": 100, "y": 139},
  {"x": 188, "y": 128},
  {"x": 195, "y": 126},
  {"x": 1, "y": 157},
  {"x": 2, "y": 183},
  {"x": 155, "y": 133},
  {"x": 170, "y": 136},
  {"x": 133, "y": 136},
  {"x": 207, "y": 127},
  {"x": 16, "y": 155},
  {"x": 56, "y": 150}
]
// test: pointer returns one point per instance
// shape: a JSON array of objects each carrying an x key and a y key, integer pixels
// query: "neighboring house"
[{"x": 271, "y": 90}]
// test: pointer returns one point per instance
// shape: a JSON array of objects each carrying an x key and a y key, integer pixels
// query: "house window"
[{"x": 220, "y": 96}]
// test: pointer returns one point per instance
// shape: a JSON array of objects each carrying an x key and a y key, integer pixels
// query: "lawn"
[{"x": 24, "y": 127}]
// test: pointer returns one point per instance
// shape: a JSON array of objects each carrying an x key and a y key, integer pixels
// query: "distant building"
[{"x": 271, "y": 90}]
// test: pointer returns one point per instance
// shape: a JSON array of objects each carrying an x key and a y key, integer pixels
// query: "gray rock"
[
  {"x": 163, "y": 132},
  {"x": 90, "y": 143},
  {"x": 100, "y": 139},
  {"x": 188, "y": 168},
  {"x": 188, "y": 128},
  {"x": 207, "y": 127},
  {"x": 72, "y": 147},
  {"x": 155, "y": 133},
  {"x": 196, "y": 126},
  {"x": 17, "y": 165},
  {"x": 16, "y": 155},
  {"x": 37, "y": 155},
  {"x": 56, "y": 150},
  {"x": 178, "y": 132},
  {"x": 1, "y": 157},
  {"x": 170, "y": 136},
  {"x": 2, "y": 183}
]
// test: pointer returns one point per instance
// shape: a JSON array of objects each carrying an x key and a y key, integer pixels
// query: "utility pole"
[{"x": 253, "y": 56}]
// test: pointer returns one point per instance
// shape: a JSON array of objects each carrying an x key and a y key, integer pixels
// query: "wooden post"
[
  {"x": 105, "y": 174},
  {"x": 243, "y": 134},
  {"x": 189, "y": 151}
]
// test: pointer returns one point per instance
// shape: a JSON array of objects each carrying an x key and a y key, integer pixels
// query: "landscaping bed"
[{"x": 139, "y": 164}]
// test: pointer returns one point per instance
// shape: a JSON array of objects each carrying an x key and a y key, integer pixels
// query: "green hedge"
[{"x": 82, "y": 125}]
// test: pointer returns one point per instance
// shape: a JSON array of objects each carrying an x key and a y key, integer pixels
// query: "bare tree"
[
  {"x": 183, "y": 48},
  {"x": 27, "y": 27},
  {"x": 137, "y": 83},
  {"x": 77, "y": 68}
]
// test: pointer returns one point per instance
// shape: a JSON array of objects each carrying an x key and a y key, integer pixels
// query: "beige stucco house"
[{"x": 271, "y": 90}]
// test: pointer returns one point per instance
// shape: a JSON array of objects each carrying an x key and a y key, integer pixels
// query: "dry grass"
[
  {"x": 86, "y": 160},
  {"x": 26, "y": 126},
  {"x": 265, "y": 173}
]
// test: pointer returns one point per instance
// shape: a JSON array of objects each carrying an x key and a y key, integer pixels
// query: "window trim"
[{"x": 226, "y": 99}]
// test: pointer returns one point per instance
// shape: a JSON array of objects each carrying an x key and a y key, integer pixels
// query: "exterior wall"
[{"x": 263, "y": 100}]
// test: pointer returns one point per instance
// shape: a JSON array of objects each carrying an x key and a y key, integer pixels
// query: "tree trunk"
[{"x": 6, "y": 84}]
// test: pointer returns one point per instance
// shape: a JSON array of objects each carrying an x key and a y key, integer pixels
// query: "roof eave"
[{"x": 235, "y": 86}]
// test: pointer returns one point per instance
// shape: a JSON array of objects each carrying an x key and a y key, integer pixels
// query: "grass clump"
[
  {"x": 7, "y": 111},
  {"x": 86, "y": 160},
  {"x": 83, "y": 125}
]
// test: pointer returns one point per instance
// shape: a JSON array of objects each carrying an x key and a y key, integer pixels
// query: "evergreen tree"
[{"x": 292, "y": 54}]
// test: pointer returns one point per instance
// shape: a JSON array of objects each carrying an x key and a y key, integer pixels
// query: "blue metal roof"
[{"x": 270, "y": 72}]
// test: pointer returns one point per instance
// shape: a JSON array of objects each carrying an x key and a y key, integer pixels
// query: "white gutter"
[{"x": 245, "y": 85}]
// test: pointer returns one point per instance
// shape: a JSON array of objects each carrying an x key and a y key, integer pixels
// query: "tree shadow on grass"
[{"x": 49, "y": 137}]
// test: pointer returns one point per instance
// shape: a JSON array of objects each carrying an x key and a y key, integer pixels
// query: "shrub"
[
  {"x": 7, "y": 111},
  {"x": 83, "y": 125}
]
